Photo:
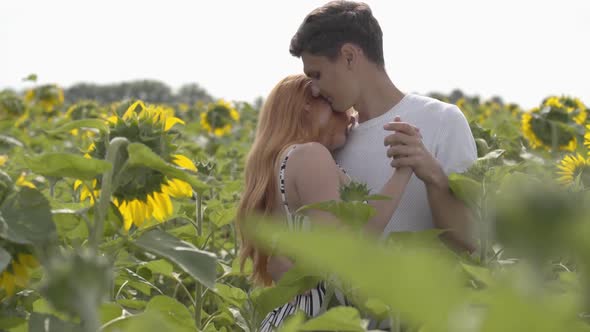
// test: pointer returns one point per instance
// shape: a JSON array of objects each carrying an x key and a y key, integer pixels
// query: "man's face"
[
  {"x": 333, "y": 126},
  {"x": 333, "y": 80}
]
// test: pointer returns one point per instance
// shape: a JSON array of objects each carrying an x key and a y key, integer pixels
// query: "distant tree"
[
  {"x": 191, "y": 93},
  {"x": 150, "y": 91},
  {"x": 456, "y": 95}
]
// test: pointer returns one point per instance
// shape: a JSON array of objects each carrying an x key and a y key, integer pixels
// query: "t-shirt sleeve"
[{"x": 455, "y": 146}]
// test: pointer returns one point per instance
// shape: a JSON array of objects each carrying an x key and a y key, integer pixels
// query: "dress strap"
[{"x": 282, "y": 186}]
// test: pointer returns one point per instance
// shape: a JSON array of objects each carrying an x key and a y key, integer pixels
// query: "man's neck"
[{"x": 378, "y": 96}]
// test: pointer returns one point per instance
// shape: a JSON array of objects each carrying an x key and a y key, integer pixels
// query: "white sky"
[{"x": 519, "y": 50}]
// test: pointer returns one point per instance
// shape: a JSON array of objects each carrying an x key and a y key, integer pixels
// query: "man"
[{"x": 341, "y": 46}]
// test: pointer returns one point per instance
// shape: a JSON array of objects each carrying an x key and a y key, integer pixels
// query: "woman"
[{"x": 290, "y": 165}]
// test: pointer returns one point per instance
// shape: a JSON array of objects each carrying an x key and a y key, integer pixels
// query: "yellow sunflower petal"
[
  {"x": 3, "y": 159},
  {"x": 234, "y": 114},
  {"x": 127, "y": 220},
  {"x": 21, "y": 181},
  {"x": 113, "y": 119},
  {"x": 8, "y": 283},
  {"x": 157, "y": 212},
  {"x": 164, "y": 203},
  {"x": 178, "y": 188},
  {"x": 184, "y": 162},
  {"x": 171, "y": 121},
  {"x": 28, "y": 260},
  {"x": 21, "y": 274},
  {"x": 131, "y": 110}
]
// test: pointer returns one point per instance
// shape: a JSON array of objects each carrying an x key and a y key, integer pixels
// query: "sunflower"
[
  {"x": 587, "y": 138},
  {"x": 47, "y": 96},
  {"x": 143, "y": 194},
  {"x": 572, "y": 106},
  {"x": 17, "y": 273},
  {"x": 537, "y": 128},
  {"x": 573, "y": 166},
  {"x": 11, "y": 105},
  {"x": 86, "y": 109},
  {"x": 219, "y": 117}
]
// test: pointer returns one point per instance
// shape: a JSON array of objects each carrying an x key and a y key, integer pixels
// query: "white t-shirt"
[{"x": 446, "y": 134}]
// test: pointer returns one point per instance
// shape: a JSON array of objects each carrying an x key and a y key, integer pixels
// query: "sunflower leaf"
[
  {"x": 4, "y": 259},
  {"x": 141, "y": 155},
  {"x": 67, "y": 165},
  {"x": 27, "y": 218},
  {"x": 424, "y": 285},
  {"x": 466, "y": 189},
  {"x": 50, "y": 323},
  {"x": 201, "y": 265},
  {"x": 101, "y": 125},
  {"x": 335, "y": 319}
]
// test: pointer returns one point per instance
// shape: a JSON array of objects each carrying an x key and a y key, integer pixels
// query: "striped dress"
[{"x": 310, "y": 302}]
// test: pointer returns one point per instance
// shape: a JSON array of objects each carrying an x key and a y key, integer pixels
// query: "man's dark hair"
[{"x": 327, "y": 28}]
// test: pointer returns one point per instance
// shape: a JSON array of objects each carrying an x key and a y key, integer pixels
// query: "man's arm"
[{"x": 448, "y": 212}]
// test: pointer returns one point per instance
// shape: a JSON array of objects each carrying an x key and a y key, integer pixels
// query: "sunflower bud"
[{"x": 354, "y": 191}]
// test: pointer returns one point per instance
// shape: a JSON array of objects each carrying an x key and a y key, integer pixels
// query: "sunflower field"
[{"x": 120, "y": 217}]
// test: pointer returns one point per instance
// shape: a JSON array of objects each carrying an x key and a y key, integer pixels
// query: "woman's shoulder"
[
  {"x": 311, "y": 152},
  {"x": 308, "y": 156}
]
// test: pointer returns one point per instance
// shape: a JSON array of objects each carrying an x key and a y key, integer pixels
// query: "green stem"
[
  {"x": 198, "y": 287},
  {"x": 327, "y": 298},
  {"x": 106, "y": 190},
  {"x": 483, "y": 227},
  {"x": 554, "y": 142}
]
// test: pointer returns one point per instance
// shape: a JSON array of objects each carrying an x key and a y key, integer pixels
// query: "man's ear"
[{"x": 349, "y": 53}]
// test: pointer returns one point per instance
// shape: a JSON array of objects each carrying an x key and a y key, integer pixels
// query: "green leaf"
[
  {"x": 239, "y": 319},
  {"x": 293, "y": 323},
  {"x": 101, "y": 125},
  {"x": 31, "y": 77},
  {"x": 69, "y": 224},
  {"x": 426, "y": 239},
  {"x": 41, "y": 306},
  {"x": 133, "y": 304},
  {"x": 48, "y": 323},
  {"x": 27, "y": 217},
  {"x": 292, "y": 283},
  {"x": 160, "y": 266},
  {"x": 466, "y": 189},
  {"x": 354, "y": 213},
  {"x": 335, "y": 319},
  {"x": 223, "y": 215},
  {"x": 201, "y": 265},
  {"x": 141, "y": 155},
  {"x": 162, "y": 313},
  {"x": 479, "y": 273},
  {"x": 11, "y": 322},
  {"x": 5, "y": 259},
  {"x": 423, "y": 285},
  {"x": 233, "y": 295},
  {"x": 77, "y": 283},
  {"x": 109, "y": 311},
  {"x": 174, "y": 311},
  {"x": 67, "y": 165}
]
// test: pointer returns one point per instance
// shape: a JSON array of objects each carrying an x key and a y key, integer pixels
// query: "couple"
[{"x": 309, "y": 142}]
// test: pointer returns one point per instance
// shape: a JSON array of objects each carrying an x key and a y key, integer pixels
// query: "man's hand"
[{"x": 406, "y": 149}]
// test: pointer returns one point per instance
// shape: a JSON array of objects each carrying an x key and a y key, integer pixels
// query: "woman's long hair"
[{"x": 282, "y": 122}]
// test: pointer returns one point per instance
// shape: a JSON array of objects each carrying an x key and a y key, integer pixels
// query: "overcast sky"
[{"x": 519, "y": 50}]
